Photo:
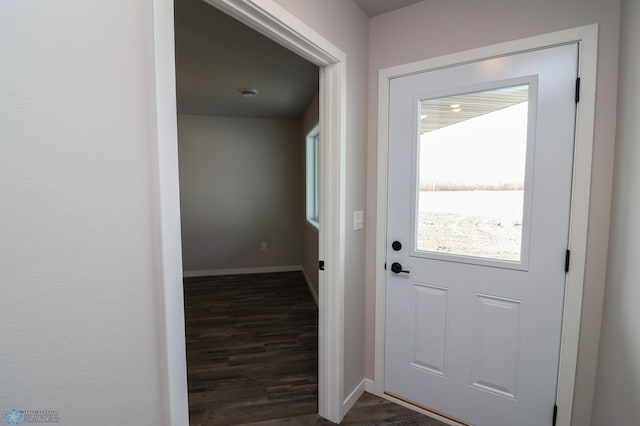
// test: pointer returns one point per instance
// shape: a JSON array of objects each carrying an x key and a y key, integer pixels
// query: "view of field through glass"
[{"x": 471, "y": 165}]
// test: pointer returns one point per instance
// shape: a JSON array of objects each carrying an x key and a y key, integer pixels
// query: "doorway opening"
[
  {"x": 274, "y": 22},
  {"x": 245, "y": 104}
]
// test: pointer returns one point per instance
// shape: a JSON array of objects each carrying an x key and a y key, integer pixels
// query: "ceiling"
[
  {"x": 378, "y": 7},
  {"x": 217, "y": 55},
  {"x": 446, "y": 111}
]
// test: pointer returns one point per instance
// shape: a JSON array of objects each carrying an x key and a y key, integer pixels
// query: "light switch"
[{"x": 358, "y": 220}]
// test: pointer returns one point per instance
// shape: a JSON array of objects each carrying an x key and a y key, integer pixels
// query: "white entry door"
[{"x": 480, "y": 170}]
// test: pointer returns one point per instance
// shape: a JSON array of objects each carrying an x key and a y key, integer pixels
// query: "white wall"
[
  {"x": 433, "y": 28},
  {"x": 79, "y": 329},
  {"x": 617, "y": 398},
  {"x": 345, "y": 25},
  {"x": 241, "y": 184},
  {"x": 309, "y": 232}
]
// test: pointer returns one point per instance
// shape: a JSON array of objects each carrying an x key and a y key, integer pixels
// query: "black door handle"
[{"x": 396, "y": 268}]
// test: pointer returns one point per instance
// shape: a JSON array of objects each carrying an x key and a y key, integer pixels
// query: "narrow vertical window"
[{"x": 313, "y": 175}]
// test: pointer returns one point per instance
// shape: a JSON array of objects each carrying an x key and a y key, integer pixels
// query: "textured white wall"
[
  {"x": 617, "y": 395},
  {"x": 241, "y": 184},
  {"x": 79, "y": 329},
  {"x": 346, "y": 26},
  {"x": 433, "y": 28},
  {"x": 310, "y": 233}
]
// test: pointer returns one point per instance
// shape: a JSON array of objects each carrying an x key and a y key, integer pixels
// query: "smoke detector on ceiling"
[{"x": 248, "y": 93}]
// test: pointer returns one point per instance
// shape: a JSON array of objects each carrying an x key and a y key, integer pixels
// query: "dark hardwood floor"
[{"x": 252, "y": 355}]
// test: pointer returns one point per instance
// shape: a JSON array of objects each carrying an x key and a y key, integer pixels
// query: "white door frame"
[
  {"x": 587, "y": 38},
  {"x": 270, "y": 19}
]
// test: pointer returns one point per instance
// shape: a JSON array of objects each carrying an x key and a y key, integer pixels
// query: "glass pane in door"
[{"x": 472, "y": 154}]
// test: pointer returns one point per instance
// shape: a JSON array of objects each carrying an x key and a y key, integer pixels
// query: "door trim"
[
  {"x": 587, "y": 39},
  {"x": 273, "y": 21}
]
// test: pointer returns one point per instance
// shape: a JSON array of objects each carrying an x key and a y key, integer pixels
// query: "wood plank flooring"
[{"x": 252, "y": 355}]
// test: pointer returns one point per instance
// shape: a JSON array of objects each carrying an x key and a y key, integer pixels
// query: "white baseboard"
[
  {"x": 311, "y": 289},
  {"x": 369, "y": 386},
  {"x": 353, "y": 397},
  {"x": 241, "y": 271}
]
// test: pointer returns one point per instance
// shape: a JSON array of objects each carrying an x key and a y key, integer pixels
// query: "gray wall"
[
  {"x": 79, "y": 259},
  {"x": 424, "y": 30},
  {"x": 617, "y": 398},
  {"x": 81, "y": 323},
  {"x": 310, "y": 233},
  {"x": 241, "y": 184}
]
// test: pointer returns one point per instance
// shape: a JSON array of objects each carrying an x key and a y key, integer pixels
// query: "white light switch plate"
[{"x": 358, "y": 220}]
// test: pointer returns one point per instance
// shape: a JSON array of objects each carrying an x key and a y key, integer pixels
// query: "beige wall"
[
  {"x": 617, "y": 398},
  {"x": 241, "y": 184},
  {"x": 433, "y": 28},
  {"x": 345, "y": 25},
  {"x": 80, "y": 330},
  {"x": 309, "y": 232}
]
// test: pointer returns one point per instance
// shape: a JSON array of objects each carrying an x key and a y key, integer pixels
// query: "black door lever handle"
[{"x": 396, "y": 268}]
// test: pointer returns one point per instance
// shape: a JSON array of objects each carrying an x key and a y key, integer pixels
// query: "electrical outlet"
[{"x": 263, "y": 245}]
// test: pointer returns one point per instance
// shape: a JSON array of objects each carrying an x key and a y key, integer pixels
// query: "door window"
[{"x": 471, "y": 181}]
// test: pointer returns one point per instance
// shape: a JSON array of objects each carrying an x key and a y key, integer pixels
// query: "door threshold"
[{"x": 425, "y": 410}]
